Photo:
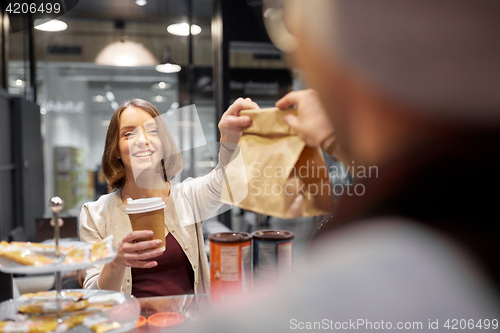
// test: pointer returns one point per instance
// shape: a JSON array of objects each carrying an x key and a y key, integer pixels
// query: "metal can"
[
  {"x": 272, "y": 254},
  {"x": 230, "y": 265}
]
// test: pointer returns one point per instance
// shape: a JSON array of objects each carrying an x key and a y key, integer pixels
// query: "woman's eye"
[
  {"x": 128, "y": 134},
  {"x": 153, "y": 131}
]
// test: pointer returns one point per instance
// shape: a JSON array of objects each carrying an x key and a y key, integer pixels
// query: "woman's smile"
[
  {"x": 143, "y": 153},
  {"x": 139, "y": 141}
]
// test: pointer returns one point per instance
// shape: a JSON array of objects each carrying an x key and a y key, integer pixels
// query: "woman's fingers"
[
  {"x": 141, "y": 246},
  {"x": 138, "y": 234},
  {"x": 254, "y": 105},
  {"x": 149, "y": 264},
  {"x": 241, "y": 104},
  {"x": 139, "y": 260},
  {"x": 143, "y": 256},
  {"x": 231, "y": 122},
  {"x": 142, "y": 264},
  {"x": 241, "y": 121}
]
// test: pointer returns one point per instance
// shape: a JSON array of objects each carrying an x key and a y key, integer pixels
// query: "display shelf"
[
  {"x": 8, "y": 266},
  {"x": 56, "y": 204},
  {"x": 126, "y": 313}
]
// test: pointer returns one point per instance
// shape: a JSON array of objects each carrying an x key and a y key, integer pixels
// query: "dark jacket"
[{"x": 450, "y": 186}]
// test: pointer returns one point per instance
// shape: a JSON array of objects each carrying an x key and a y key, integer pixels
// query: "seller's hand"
[
  {"x": 311, "y": 123},
  {"x": 231, "y": 123},
  {"x": 129, "y": 251}
]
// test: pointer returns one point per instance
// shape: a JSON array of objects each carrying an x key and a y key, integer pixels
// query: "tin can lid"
[
  {"x": 273, "y": 235},
  {"x": 230, "y": 237}
]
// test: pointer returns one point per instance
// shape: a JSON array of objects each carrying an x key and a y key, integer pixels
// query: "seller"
[{"x": 413, "y": 88}]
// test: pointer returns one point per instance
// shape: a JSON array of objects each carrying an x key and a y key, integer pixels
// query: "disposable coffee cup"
[{"x": 148, "y": 214}]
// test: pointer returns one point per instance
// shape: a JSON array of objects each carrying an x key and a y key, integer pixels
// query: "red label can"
[{"x": 230, "y": 265}]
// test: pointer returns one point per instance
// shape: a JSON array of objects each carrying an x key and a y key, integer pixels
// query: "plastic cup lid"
[
  {"x": 144, "y": 205},
  {"x": 142, "y": 320},
  {"x": 165, "y": 319}
]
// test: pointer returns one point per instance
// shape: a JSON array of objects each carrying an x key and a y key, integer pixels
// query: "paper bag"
[{"x": 273, "y": 172}]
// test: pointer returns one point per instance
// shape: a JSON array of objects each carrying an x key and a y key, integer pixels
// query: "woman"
[{"x": 140, "y": 160}]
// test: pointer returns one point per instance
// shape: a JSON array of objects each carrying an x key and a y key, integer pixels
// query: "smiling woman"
[
  {"x": 140, "y": 160},
  {"x": 126, "y": 122}
]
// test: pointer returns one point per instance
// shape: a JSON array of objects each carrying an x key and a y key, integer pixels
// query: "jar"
[{"x": 230, "y": 265}]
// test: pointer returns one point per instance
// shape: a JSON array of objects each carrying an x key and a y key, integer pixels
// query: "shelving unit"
[{"x": 126, "y": 313}]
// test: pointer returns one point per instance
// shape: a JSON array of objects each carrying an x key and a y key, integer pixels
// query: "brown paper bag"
[{"x": 273, "y": 172}]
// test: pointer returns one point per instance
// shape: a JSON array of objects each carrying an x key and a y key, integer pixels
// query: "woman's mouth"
[{"x": 143, "y": 153}]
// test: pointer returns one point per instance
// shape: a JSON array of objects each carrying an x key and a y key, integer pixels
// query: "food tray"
[
  {"x": 126, "y": 314},
  {"x": 8, "y": 266}
]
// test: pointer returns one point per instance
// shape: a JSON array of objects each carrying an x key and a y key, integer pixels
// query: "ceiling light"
[
  {"x": 182, "y": 29},
  {"x": 52, "y": 25},
  {"x": 168, "y": 68},
  {"x": 126, "y": 54},
  {"x": 114, "y": 105},
  {"x": 161, "y": 86},
  {"x": 141, "y": 2},
  {"x": 19, "y": 82},
  {"x": 105, "y": 122},
  {"x": 110, "y": 96},
  {"x": 43, "y": 110},
  {"x": 98, "y": 98},
  {"x": 160, "y": 98}
]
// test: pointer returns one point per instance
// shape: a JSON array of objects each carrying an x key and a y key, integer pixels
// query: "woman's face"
[{"x": 139, "y": 142}]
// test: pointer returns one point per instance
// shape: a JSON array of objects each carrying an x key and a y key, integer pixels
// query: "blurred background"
[{"x": 62, "y": 81}]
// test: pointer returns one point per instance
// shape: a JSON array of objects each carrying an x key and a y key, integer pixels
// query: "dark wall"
[
  {"x": 28, "y": 157},
  {"x": 243, "y": 21},
  {"x": 7, "y": 168},
  {"x": 6, "y": 291}
]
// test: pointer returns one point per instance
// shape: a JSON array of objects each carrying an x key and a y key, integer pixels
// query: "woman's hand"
[
  {"x": 231, "y": 123},
  {"x": 129, "y": 252}
]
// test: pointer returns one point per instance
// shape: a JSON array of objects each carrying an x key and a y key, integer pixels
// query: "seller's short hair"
[{"x": 112, "y": 167}]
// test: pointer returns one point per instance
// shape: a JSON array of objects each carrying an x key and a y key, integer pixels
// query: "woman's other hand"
[
  {"x": 131, "y": 253},
  {"x": 231, "y": 123}
]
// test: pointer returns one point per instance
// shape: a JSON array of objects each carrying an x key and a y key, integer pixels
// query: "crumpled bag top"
[{"x": 268, "y": 122}]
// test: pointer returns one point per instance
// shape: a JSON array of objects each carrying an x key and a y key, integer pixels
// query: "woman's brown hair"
[{"x": 112, "y": 167}]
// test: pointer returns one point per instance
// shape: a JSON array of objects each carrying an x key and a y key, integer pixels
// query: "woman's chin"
[
  {"x": 144, "y": 164},
  {"x": 150, "y": 180},
  {"x": 148, "y": 175}
]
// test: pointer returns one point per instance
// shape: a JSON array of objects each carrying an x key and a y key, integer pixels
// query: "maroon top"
[{"x": 172, "y": 276}]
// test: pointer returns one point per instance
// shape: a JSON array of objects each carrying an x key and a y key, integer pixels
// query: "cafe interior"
[
  {"x": 81, "y": 82},
  {"x": 63, "y": 79}
]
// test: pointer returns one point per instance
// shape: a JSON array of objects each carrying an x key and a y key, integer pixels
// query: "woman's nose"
[{"x": 142, "y": 140}]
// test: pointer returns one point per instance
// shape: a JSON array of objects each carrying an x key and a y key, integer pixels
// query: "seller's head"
[
  {"x": 389, "y": 71},
  {"x": 138, "y": 140}
]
